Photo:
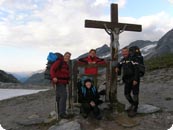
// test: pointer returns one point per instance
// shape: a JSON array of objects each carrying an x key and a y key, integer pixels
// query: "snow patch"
[
  {"x": 147, "y": 48},
  {"x": 171, "y": 128},
  {"x": 1, "y": 127},
  {"x": 105, "y": 56}
]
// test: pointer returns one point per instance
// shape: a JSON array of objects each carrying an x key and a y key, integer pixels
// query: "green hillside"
[
  {"x": 7, "y": 78},
  {"x": 165, "y": 61}
]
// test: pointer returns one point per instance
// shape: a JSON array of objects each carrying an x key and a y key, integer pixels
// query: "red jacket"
[
  {"x": 60, "y": 70},
  {"x": 92, "y": 70}
]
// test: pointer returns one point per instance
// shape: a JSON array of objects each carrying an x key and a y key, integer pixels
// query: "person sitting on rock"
[{"x": 89, "y": 99}]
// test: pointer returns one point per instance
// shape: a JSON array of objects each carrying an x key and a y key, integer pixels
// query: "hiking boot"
[
  {"x": 84, "y": 115},
  {"x": 98, "y": 117},
  {"x": 132, "y": 113},
  {"x": 64, "y": 116}
]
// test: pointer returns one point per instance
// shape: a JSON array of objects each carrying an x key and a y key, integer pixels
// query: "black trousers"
[
  {"x": 131, "y": 93},
  {"x": 87, "y": 108}
]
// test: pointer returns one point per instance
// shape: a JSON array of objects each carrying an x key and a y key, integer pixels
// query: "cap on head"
[{"x": 87, "y": 80}]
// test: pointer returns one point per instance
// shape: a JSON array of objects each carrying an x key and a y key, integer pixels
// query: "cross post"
[{"x": 113, "y": 28}]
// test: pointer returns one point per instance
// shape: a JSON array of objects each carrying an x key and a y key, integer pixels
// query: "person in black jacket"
[
  {"x": 89, "y": 99},
  {"x": 131, "y": 79}
]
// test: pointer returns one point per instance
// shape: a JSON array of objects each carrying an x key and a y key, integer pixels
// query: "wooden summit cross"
[{"x": 113, "y": 28}]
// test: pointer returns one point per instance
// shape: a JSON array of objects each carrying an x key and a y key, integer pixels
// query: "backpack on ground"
[
  {"x": 51, "y": 58},
  {"x": 135, "y": 53}
]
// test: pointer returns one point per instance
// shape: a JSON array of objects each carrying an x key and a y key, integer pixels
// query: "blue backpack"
[
  {"x": 84, "y": 90},
  {"x": 51, "y": 58}
]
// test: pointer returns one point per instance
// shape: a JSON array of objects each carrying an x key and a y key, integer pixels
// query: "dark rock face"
[
  {"x": 141, "y": 43},
  {"x": 165, "y": 44},
  {"x": 7, "y": 78},
  {"x": 101, "y": 52}
]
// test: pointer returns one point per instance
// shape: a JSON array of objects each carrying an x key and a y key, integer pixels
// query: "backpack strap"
[
  {"x": 94, "y": 90},
  {"x": 60, "y": 65},
  {"x": 83, "y": 90}
]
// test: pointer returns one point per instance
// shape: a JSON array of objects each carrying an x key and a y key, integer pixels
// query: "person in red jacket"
[
  {"x": 60, "y": 77},
  {"x": 92, "y": 59}
]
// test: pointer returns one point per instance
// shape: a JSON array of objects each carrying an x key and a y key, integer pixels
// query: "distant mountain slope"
[
  {"x": 37, "y": 78},
  {"x": 7, "y": 78},
  {"x": 23, "y": 76},
  {"x": 149, "y": 50},
  {"x": 164, "y": 46},
  {"x": 102, "y": 52},
  {"x": 146, "y": 47}
]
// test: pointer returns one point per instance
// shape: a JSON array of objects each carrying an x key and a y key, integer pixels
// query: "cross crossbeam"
[
  {"x": 114, "y": 22},
  {"x": 112, "y": 25}
]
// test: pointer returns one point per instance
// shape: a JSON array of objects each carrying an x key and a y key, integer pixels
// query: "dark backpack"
[
  {"x": 51, "y": 58},
  {"x": 136, "y": 55}
]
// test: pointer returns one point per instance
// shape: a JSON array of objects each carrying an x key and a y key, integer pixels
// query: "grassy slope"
[{"x": 165, "y": 61}]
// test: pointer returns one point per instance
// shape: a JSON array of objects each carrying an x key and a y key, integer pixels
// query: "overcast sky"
[{"x": 30, "y": 29}]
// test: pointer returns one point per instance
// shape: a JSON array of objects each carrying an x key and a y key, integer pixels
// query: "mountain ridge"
[
  {"x": 148, "y": 48},
  {"x": 7, "y": 78}
]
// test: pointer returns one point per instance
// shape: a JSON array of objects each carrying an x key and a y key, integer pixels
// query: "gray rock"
[
  {"x": 99, "y": 129},
  {"x": 72, "y": 125},
  {"x": 34, "y": 116},
  {"x": 50, "y": 120},
  {"x": 53, "y": 114},
  {"x": 63, "y": 121},
  {"x": 145, "y": 108},
  {"x": 30, "y": 122},
  {"x": 104, "y": 106}
]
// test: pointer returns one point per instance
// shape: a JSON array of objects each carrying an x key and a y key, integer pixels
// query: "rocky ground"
[{"x": 32, "y": 111}]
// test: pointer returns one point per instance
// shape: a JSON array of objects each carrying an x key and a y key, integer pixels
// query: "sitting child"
[{"x": 89, "y": 99}]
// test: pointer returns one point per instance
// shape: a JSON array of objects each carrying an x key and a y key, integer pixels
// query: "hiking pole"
[
  {"x": 56, "y": 102},
  {"x": 71, "y": 96},
  {"x": 70, "y": 103}
]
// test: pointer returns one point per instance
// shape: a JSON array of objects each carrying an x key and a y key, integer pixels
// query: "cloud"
[
  {"x": 98, "y": 2},
  {"x": 171, "y": 1},
  {"x": 58, "y": 25},
  {"x": 1, "y": 2},
  {"x": 153, "y": 27},
  {"x": 121, "y": 3}
]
